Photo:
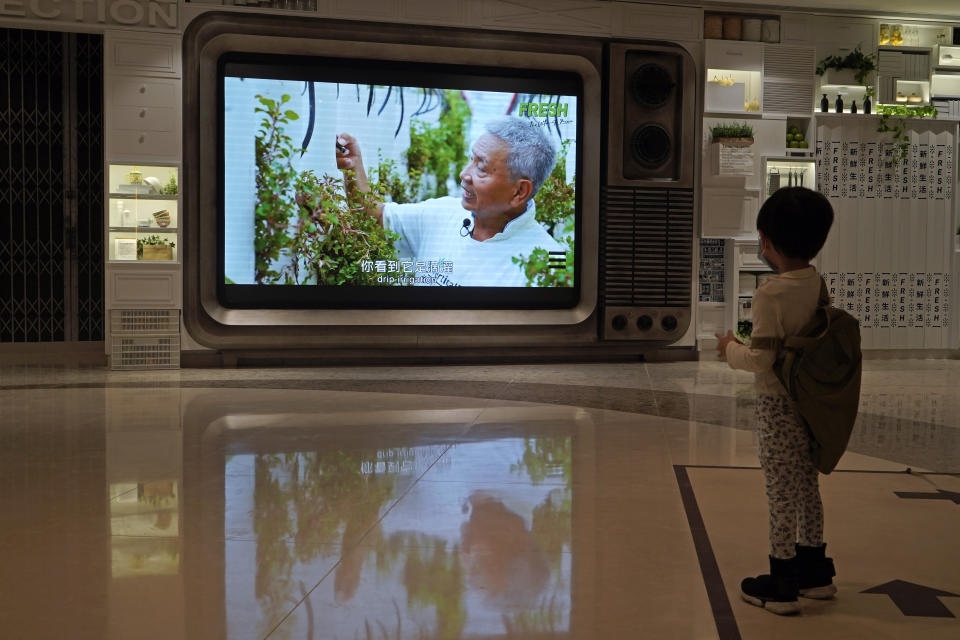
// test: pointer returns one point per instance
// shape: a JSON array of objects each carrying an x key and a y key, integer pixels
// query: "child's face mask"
[{"x": 763, "y": 258}]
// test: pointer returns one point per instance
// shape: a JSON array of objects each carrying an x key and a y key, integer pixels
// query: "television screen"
[{"x": 373, "y": 184}]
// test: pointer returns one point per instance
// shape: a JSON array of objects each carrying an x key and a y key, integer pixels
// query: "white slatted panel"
[
  {"x": 788, "y": 79},
  {"x": 889, "y": 256},
  {"x": 561, "y": 16}
]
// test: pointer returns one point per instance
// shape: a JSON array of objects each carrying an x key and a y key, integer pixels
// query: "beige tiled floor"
[{"x": 522, "y": 501}]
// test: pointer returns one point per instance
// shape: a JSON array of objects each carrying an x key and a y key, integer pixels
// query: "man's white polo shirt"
[{"x": 430, "y": 233}]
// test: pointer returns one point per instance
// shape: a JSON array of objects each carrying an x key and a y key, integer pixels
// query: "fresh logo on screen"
[
  {"x": 541, "y": 109},
  {"x": 551, "y": 112}
]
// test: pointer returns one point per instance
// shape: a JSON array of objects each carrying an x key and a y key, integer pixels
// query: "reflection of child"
[
  {"x": 793, "y": 225},
  {"x": 500, "y": 554}
]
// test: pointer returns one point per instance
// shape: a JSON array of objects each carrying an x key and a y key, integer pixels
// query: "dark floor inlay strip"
[{"x": 716, "y": 593}]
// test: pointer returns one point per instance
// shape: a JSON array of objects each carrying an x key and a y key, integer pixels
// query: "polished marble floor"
[{"x": 524, "y": 501}]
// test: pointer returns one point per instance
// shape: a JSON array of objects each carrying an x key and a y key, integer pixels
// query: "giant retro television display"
[
  {"x": 358, "y": 183},
  {"x": 413, "y": 191}
]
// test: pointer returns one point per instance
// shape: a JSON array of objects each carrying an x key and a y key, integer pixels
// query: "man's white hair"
[{"x": 531, "y": 154}]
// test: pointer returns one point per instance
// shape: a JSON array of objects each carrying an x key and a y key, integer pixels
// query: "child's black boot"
[
  {"x": 777, "y": 591},
  {"x": 815, "y": 572}
]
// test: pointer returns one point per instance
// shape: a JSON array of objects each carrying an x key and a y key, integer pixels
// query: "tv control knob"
[
  {"x": 669, "y": 323},
  {"x": 619, "y": 323},
  {"x": 644, "y": 323}
]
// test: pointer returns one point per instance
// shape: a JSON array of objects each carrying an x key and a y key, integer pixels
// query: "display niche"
[{"x": 143, "y": 213}]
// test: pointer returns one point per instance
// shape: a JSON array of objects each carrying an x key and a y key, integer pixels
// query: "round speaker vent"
[
  {"x": 651, "y": 145},
  {"x": 651, "y": 85}
]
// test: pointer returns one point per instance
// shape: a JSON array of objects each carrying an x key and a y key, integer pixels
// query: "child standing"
[{"x": 792, "y": 225}]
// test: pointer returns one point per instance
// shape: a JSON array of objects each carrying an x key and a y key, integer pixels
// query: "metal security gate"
[{"x": 51, "y": 186}]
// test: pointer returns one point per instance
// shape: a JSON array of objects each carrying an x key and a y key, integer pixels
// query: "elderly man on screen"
[{"x": 508, "y": 165}]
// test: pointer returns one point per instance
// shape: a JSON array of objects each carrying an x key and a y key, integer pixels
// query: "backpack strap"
[
  {"x": 797, "y": 342},
  {"x": 824, "y": 301},
  {"x": 823, "y": 306}
]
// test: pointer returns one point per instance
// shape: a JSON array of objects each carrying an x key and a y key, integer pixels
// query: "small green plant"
[
  {"x": 170, "y": 189},
  {"x": 726, "y": 130},
  {"x": 153, "y": 240},
  {"x": 556, "y": 207},
  {"x": 539, "y": 273},
  {"x": 861, "y": 64},
  {"x": 893, "y": 119}
]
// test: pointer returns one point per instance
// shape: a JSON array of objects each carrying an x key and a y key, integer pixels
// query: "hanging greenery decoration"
[{"x": 893, "y": 119}]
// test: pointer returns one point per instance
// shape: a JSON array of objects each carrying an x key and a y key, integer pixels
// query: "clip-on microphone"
[{"x": 466, "y": 230}]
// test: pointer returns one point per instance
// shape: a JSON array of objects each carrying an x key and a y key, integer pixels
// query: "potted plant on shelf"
[
  {"x": 155, "y": 247},
  {"x": 732, "y": 134},
  {"x": 852, "y": 69}
]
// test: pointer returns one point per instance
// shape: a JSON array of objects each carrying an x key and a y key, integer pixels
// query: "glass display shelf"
[
  {"x": 788, "y": 172},
  {"x": 142, "y": 213}
]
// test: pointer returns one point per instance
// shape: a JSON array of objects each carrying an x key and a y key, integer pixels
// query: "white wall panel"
[
  {"x": 144, "y": 54},
  {"x": 413, "y": 11},
  {"x": 658, "y": 22},
  {"x": 891, "y": 249},
  {"x": 561, "y": 16},
  {"x": 136, "y": 288}
]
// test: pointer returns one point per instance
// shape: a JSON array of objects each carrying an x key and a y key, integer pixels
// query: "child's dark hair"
[{"x": 796, "y": 220}]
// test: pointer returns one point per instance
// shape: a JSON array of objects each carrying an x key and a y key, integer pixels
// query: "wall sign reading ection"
[{"x": 139, "y": 13}]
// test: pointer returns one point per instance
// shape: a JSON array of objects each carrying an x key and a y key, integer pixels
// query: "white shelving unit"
[
  {"x": 142, "y": 205},
  {"x": 142, "y": 217}
]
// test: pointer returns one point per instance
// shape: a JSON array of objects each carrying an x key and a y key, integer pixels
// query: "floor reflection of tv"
[
  {"x": 351, "y": 183},
  {"x": 478, "y": 546}
]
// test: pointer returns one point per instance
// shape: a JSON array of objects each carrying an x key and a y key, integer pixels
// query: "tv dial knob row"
[{"x": 668, "y": 323}]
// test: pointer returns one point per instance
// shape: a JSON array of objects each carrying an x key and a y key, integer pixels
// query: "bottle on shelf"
[
  {"x": 824, "y": 104},
  {"x": 853, "y": 106},
  {"x": 866, "y": 104},
  {"x": 839, "y": 103}
]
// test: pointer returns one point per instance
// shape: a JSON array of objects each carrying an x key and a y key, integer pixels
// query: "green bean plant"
[
  {"x": 275, "y": 204},
  {"x": 333, "y": 235},
  {"x": 306, "y": 222}
]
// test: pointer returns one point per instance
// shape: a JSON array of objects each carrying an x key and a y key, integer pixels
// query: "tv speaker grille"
[{"x": 646, "y": 247}]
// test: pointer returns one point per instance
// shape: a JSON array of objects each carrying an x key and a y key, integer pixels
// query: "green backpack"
[{"x": 820, "y": 368}]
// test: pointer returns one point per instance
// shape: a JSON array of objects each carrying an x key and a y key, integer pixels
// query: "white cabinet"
[
  {"x": 142, "y": 97},
  {"x": 142, "y": 270},
  {"x": 143, "y": 54},
  {"x": 729, "y": 211},
  {"x": 143, "y": 118}
]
